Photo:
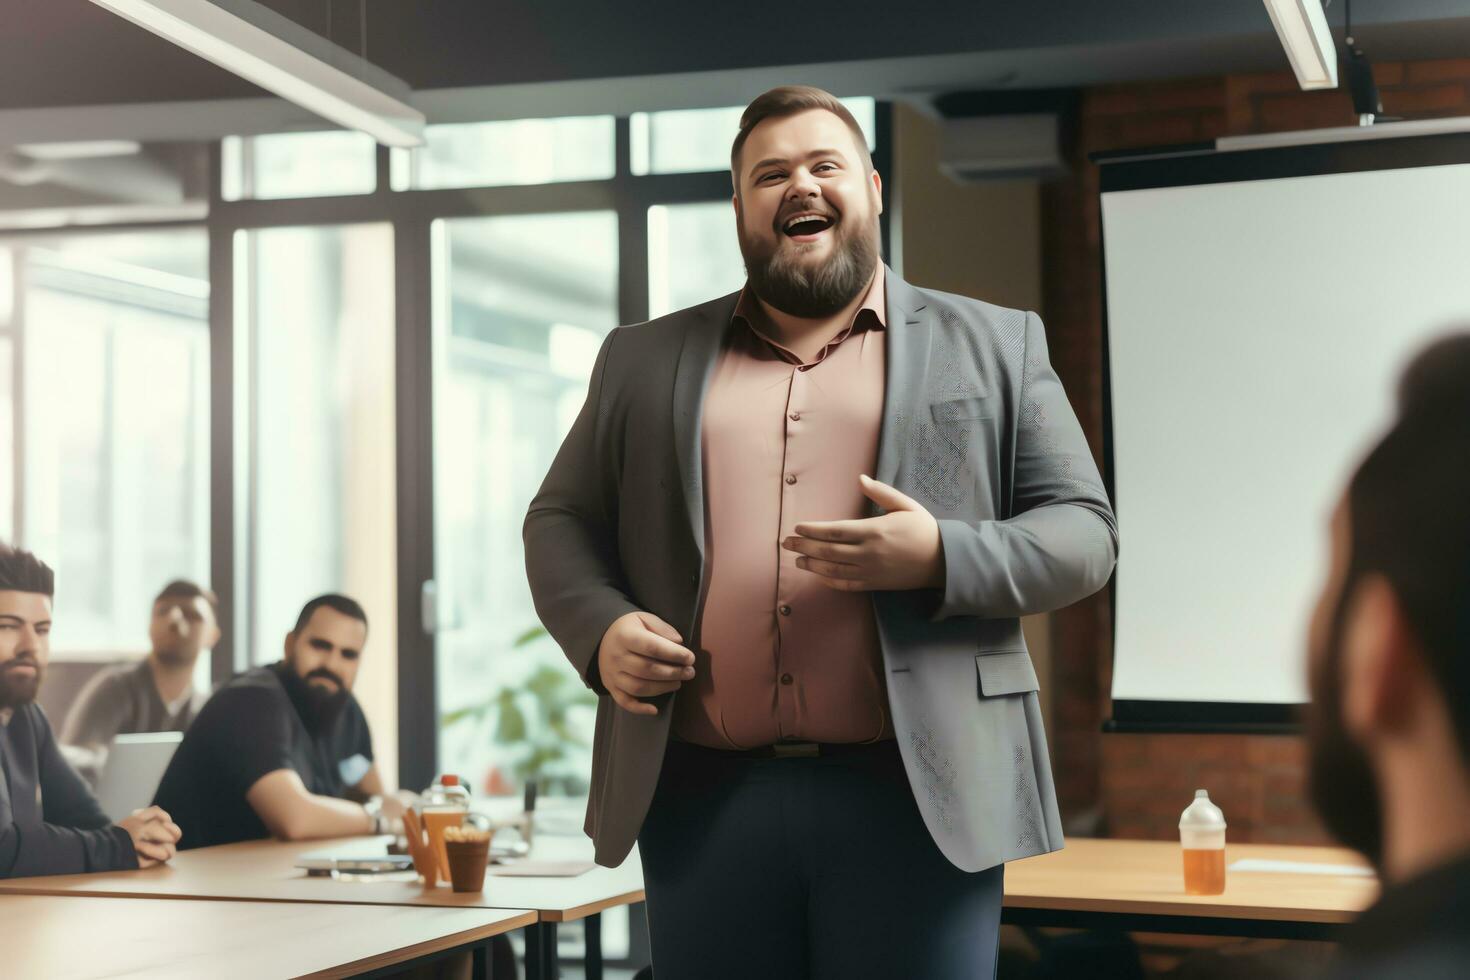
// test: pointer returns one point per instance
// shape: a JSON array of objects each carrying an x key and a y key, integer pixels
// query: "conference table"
[
  {"x": 1138, "y": 886},
  {"x": 1134, "y": 886},
  {"x": 75, "y": 938},
  {"x": 265, "y": 871}
]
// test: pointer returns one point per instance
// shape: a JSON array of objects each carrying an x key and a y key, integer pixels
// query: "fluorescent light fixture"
[
  {"x": 280, "y": 56},
  {"x": 80, "y": 149},
  {"x": 1302, "y": 27}
]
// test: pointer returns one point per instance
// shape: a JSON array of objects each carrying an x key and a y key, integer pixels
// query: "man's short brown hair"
[
  {"x": 181, "y": 588},
  {"x": 788, "y": 100}
]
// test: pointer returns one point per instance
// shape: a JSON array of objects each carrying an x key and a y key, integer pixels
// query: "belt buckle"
[{"x": 796, "y": 750}]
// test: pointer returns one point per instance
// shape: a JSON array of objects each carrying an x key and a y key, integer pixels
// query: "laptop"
[{"x": 134, "y": 767}]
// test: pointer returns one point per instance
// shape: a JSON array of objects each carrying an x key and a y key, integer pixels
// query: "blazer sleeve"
[
  {"x": 75, "y": 837},
  {"x": 1061, "y": 542},
  {"x": 571, "y": 541}
]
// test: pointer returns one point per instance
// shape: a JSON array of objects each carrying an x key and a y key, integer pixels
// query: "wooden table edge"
[
  {"x": 592, "y": 908},
  {"x": 1182, "y": 910},
  {"x": 429, "y": 947}
]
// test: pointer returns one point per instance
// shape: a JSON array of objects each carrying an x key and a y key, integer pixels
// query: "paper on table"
[
  {"x": 542, "y": 869},
  {"x": 1301, "y": 868}
]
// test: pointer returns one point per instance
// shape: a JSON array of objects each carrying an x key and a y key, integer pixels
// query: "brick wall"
[{"x": 1136, "y": 785}]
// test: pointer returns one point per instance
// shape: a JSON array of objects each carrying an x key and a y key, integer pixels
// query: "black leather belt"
[{"x": 791, "y": 750}]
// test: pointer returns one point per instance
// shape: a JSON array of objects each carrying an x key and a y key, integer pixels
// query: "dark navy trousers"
[{"x": 815, "y": 868}]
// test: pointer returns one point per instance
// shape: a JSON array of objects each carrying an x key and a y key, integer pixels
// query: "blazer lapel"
[
  {"x": 697, "y": 359},
  {"x": 909, "y": 335}
]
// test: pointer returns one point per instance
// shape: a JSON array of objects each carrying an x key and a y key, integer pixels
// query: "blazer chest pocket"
[
  {"x": 962, "y": 409},
  {"x": 1005, "y": 672}
]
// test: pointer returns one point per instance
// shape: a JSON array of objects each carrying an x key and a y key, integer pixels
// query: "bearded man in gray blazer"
[{"x": 788, "y": 541}]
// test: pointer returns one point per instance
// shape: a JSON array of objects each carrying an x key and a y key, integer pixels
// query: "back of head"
[
  {"x": 21, "y": 571},
  {"x": 1409, "y": 510}
]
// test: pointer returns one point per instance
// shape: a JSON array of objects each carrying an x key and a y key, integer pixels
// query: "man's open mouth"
[{"x": 807, "y": 226}]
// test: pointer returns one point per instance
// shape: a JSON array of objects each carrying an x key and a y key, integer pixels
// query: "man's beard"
[
  {"x": 18, "y": 689},
  {"x": 319, "y": 707},
  {"x": 781, "y": 277},
  {"x": 1343, "y": 788},
  {"x": 175, "y": 656}
]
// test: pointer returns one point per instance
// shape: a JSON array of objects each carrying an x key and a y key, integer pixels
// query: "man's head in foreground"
[
  {"x": 26, "y": 588},
  {"x": 807, "y": 201},
  {"x": 324, "y": 653},
  {"x": 1389, "y": 667}
]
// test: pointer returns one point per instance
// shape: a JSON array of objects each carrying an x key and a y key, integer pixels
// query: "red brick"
[
  {"x": 1304, "y": 110},
  {"x": 1448, "y": 69},
  {"x": 1207, "y": 94},
  {"x": 1424, "y": 101},
  {"x": 1112, "y": 101},
  {"x": 1212, "y": 124},
  {"x": 1148, "y": 130},
  {"x": 1389, "y": 73}
]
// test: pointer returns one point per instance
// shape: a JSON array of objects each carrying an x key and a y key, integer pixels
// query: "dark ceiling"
[{"x": 72, "y": 52}]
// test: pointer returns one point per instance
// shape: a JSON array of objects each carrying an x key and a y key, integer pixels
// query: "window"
[
  {"x": 691, "y": 140},
  {"x": 518, "y": 321},
  {"x": 283, "y": 165},
  {"x": 116, "y": 426},
  {"x": 693, "y": 255},
  {"x": 514, "y": 152},
  {"x": 317, "y": 306}
]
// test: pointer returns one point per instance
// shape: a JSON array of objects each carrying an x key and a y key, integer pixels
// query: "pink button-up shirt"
[{"x": 781, "y": 656}]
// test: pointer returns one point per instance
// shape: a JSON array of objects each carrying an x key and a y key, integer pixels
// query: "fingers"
[
  {"x": 151, "y": 813},
  {"x": 830, "y": 569},
  {"x": 830, "y": 551},
  {"x": 851, "y": 532},
  {"x": 155, "y": 851},
  {"x": 656, "y": 647},
  {"x": 885, "y": 496},
  {"x": 640, "y": 688},
  {"x": 663, "y": 629},
  {"x": 631, "y": 704},
  {"x": 648, "y": 669},
  {"x": 160, "y": 832}
]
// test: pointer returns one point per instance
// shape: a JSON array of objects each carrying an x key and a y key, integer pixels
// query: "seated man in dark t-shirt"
[
  {"x": 50, "y": 823},
  {"x": 284, "y": 750}
]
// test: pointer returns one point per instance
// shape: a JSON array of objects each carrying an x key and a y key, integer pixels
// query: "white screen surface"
[{"x": 1257, "y": 330}]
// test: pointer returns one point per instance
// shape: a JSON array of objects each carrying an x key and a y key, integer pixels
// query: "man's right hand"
[
  {"x": 154, "y": 835},
  {"x": 640, "y": 656}
]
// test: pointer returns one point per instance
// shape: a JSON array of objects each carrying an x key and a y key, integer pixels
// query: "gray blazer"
[{"x": 975, "y": 427}]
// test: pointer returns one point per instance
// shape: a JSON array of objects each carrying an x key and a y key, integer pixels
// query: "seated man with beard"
[
  {"x": 50, "y": 823},
  {"x": 284, "y": 750},
  {"x": 1390, "y": 679},
  {"x": 157, "y": 693}
]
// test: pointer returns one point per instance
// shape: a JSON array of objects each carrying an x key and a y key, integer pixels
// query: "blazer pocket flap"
[
  {"x": 962, "y": 409},
  {"x": 1008, "y": 672}
]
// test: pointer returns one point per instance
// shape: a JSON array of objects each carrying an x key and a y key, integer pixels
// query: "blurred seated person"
[
  {"x": 284, "y": 750},
  {"x": 50, "y": 823},
  {"x": 157, "y": 693},
  {"x": 1389, "y": 727}
]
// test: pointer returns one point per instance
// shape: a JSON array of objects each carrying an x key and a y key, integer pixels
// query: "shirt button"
[
  {"x": 785, "y": 610},
  {"x": 803, "y": 367},
  {"x": 796, "y": 416},
  {"x": 790, "y": 478},
  {"x": 785, "y": 678}
]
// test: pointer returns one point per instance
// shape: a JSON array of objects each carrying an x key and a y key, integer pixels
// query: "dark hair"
[
  {"x": 21, "y": 571},
  {"x": 788, "y": 100},
  {"x": 1409, "y": 506},
  {"x": 332, "y": 600},
  {"x": 182, "y": 588}
]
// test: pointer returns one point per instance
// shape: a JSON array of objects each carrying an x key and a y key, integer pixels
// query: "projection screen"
[{"x": 1260, "y": 304}]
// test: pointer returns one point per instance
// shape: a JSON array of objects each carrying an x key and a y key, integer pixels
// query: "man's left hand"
[{"x": 900, "y": 550}]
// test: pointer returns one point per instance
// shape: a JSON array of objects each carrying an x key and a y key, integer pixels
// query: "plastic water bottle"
[
  {"x": 444, "y": 804},
  {"x": 1202, "y": 832}
]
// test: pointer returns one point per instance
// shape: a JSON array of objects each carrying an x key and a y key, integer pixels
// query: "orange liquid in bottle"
[{"x": 1204, "y": 871}]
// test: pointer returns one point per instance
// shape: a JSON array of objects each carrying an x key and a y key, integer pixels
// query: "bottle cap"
[
  {"x": 450, "y": 779},
  {"x": 1202, "y": 814}
]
